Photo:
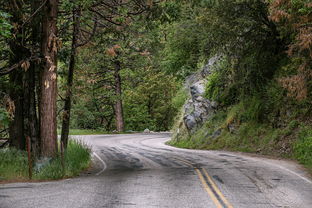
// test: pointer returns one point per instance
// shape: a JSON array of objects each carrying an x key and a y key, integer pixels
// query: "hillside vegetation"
[{"x": 263, "y": 82}]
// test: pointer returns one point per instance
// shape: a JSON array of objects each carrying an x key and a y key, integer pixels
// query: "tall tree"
[
  {"x": 48, "y": 94},
  {"x": 21, "y": 66},
  {"x": 68, "y": 97},
  {"x": 30, "y": 84},
  {"x": 118, "y": 103}
]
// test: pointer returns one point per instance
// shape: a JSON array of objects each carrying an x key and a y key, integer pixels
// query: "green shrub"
[
  {"x": 293, "y": 124},
  {"x": 253, "y": 109},
  {"x": 77, "y": 158},
  {"x": 214, "y": 87},
  {"x": 303, "y": 147},
  {"x": 5, "y": 26},
  {"x": 218, "y": 87},
  {"x": 179, "y": 99},
  {"x": 4, "y": 118},
  {"x": 13, "y": 164},
  {"x": 53, "y": 170}
]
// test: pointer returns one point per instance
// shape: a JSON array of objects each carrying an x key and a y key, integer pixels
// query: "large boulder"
[{"x": 198, "y": 109}]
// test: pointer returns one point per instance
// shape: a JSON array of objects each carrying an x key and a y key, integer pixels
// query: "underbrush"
[
  {"x": 14, "y": 164},
  {"x": 242, "y": 127},
  {"x": 303, "y": 147}
]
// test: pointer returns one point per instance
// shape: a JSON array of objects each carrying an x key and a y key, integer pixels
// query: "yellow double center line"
[{"x": 211, "y": 188}]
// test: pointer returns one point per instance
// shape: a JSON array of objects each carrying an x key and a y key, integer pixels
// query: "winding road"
[{"x": 139, "y": 170}]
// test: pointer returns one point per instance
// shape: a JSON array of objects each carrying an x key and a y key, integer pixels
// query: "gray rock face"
[
  {"x": 208, "y": 69},
  {"x": 198, "y": 109}
]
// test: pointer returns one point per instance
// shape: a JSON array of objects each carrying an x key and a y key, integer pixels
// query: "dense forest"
[{"x": 121, "y": 65}]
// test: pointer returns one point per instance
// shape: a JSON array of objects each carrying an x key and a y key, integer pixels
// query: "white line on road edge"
[
  {"x": 273, "y": 164},
  {"x": 246, "y": 157},
  {"x": 290, "y": 171},
  {"x": 104, "y": 164}
]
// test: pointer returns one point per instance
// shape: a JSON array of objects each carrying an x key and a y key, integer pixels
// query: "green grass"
[
  {"x": 14, "y": 164},
  {"x": 86, "y": 132},
  {"x": 303, "y": 147},
  {"x": 292, "y": 141}
]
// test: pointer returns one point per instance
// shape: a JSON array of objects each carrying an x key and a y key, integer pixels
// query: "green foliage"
[
  {"x": 182, "y": 49},
  {"x": 248, "y": 40},
  {"x": 292, "y": 125},
  {"x": 77, "y": 159},
  {"x": 86, "y": 131},
  {"x": 253, "y": 109},
  {"x": 4, "y": 118},
  {"x": 171, "y": 11},
  {"x": 14, "y": 163},
  {"x": 179, "y": 99},
  {"x": 214, "y": 87},
  {"x": 244, "y": 127},
  {"x": 303, "y": 147},
  {"x": 250, "y": 82},
  {"x": 5, "y": 26},
  {"x": 185, "y": 143},
  {"x": 149, "y": 104},
  {"x": 147, "y": 92},
  {"x": 220, "y": 87}
]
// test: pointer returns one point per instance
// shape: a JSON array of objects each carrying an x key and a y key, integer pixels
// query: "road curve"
[{"x": 139, "y": 170}]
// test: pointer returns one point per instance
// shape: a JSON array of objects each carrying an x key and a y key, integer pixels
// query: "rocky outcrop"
[{"x": 197, "y": 108}]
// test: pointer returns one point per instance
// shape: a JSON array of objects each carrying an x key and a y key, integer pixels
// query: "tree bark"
[
  {"x": 118, "y": 102},
  {"x": 32, "y": 126},
  {"x": 70, "y": 76},
  {"x": 48, "y": 91},
  {"x": 16, "y": 126}
]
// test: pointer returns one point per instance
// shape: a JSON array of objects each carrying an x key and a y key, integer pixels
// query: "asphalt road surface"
[{"x": 139, "y": 170}]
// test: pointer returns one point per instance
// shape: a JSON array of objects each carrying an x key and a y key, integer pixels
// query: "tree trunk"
[
  {"x": 16, "y": 126},
  {"x": 71, "y": 68},
  {"x": 48, "y": 94},
  {"x": 32, "y": 126},
  {"x": 118, "y": 102},
  {"x": 30, "y": 114}
]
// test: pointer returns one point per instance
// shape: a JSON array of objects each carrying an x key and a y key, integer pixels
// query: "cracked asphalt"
[{"x": 139, "y": 170}]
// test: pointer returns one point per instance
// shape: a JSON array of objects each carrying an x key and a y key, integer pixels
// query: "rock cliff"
[{"x": 197, "y": 108}]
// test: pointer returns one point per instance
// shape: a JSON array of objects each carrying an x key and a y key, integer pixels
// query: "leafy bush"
[
  {"x": 4, "y": 118},
  {"x": 253, "y": 109},
  {"x": 303, "y": 147},
  {"x": 179, "y": 99},
  {"x": 220, "y": 87},
  {"x": 5, "y": 26},
  {"x": 182, "y": 51},
  {"x": 215, "y": 86}
]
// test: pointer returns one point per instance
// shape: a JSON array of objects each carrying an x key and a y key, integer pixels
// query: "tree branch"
[{"x": 7, "y": 70}]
